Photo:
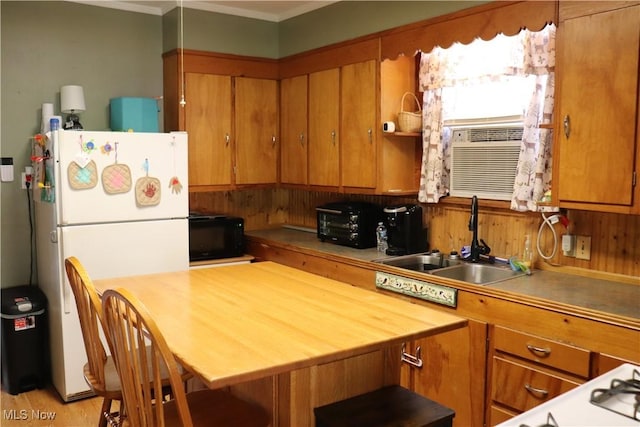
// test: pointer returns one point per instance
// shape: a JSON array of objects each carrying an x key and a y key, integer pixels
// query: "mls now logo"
[{"x": 23, "y": 414}]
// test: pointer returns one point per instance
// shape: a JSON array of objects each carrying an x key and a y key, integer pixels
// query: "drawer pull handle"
[
  {"x": 540, "y": 351},
  {"x": 411, "y": 359},
  {"x": 539, "y": 391}
]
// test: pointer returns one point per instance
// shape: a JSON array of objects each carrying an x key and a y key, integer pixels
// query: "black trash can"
[{"x": 25, "y": 336}]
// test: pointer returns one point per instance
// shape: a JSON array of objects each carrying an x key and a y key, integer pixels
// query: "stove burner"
[
  {"x": 551, "y": 422},
  {"x": 623, "y": 397}
]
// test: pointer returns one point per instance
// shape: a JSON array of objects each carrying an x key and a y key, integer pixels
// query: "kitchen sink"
[
  {"x": 437, "y": 265},
  {"x": 479, "y": 274},
  {"x": 417, "y": 262}
]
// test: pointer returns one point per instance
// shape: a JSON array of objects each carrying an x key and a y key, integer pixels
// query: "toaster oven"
[{"x": 349, "y": 223}]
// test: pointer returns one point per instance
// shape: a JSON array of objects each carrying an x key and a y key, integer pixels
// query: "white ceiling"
[{"x": 274, "y": 11}]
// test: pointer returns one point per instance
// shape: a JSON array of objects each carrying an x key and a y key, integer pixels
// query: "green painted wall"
[
  {"x": 217, "y": 32},
  {"x": 45, "y": 45},
  {"x": 111, "y": 53},
  {"x": 351, "y": 19}
]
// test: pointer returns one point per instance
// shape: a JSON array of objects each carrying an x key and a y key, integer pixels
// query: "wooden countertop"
[
  {"x": 584, "y": 295},
  {"x": 237, "y": 323}
]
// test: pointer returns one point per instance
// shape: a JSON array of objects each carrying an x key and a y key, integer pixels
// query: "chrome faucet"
[{"x": 477, "y": 248}]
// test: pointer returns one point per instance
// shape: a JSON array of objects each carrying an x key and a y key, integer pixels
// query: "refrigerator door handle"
[
  {"x": 66, "y": 294},
  {"x": 66, "y": 297}
]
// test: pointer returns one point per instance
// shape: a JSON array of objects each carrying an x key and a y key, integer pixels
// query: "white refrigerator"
[{"x": 118, "y": 202}]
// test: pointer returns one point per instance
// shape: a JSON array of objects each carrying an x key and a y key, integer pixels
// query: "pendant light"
[{"x": 182, "y": 100}]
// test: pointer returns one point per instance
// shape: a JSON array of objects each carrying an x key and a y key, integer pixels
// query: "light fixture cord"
[{"x": 182, "y": 100}]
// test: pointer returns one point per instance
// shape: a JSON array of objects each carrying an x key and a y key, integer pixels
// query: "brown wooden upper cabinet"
[
  {"x": 597, "y": 120},
  {"x": 358, "y": 153},
  {"x": 324, "y": 131},
  {"x": 208, "y": 122},
  {"x": 294, "y": 134},
  {"x": 256, "y": 127},
  {"x": 230, "y": 115}
]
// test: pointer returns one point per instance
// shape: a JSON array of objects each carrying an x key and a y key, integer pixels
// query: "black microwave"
[{"x": 215, "y": 236}]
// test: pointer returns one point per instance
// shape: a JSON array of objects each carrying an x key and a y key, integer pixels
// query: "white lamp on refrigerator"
[{"x": 72, "y": 102}]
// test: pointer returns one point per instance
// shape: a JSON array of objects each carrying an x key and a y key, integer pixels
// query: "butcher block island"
[{"x": 284, "y": 338}]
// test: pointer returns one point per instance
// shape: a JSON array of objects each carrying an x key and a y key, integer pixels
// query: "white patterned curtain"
[{"x": 527, "y": 53}]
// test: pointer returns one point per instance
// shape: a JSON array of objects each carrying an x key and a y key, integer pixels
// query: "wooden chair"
[
  {"x": 99, "y": 371},
  {"x": 130, "y": 327}
]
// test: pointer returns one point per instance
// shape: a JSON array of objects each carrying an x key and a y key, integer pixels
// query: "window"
[{"x": 481, "y": 81}]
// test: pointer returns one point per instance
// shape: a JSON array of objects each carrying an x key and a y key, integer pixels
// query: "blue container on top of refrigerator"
[{"x": 134, "y": 114}]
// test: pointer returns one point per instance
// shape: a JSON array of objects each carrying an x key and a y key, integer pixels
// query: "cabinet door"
[
  {"x": 256, "y": 124},
  {"x": 598, "y": 70},
  {"x": 293, "y": 130},
  {"x": 358, "y": 129},
  {"x": 453, "y": 372},
  {"x": 324, "y": 119},
  {"x": 208, "y": 123}
]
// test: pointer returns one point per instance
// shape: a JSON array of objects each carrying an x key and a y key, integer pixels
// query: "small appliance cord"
[{"x": 548, "y": 222}]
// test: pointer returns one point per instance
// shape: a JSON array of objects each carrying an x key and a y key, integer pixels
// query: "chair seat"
[
  {"x": 215, "y": 408},
  {"x": 112, "y": 380}
]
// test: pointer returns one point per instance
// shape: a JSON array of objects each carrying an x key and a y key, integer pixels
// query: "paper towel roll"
[{"x": 47, "y": 113}]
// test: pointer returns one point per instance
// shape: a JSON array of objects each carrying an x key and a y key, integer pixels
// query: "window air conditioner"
[{"x": 484, "y": 156}]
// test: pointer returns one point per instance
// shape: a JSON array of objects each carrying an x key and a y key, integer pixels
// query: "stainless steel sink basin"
[
  {"x": 416, "y": 262},
  {"x": 479, "y": 274},
  {"x": 437, "y": 265}
]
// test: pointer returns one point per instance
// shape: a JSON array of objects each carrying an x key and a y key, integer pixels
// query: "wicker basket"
[{"x": 408, "y": 121}]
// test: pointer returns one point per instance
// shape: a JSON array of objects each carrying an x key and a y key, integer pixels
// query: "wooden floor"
[{"x": 44, "y": 407}]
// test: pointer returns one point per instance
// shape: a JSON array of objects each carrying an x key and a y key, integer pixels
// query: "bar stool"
[{"x": 392, "y": 406}]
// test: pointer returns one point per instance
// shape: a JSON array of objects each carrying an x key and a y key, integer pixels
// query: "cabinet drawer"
[
  {"x": 521, "y": 387},
  {"x": 498, "y": 415},
  {"x": 548, "y": 352}
]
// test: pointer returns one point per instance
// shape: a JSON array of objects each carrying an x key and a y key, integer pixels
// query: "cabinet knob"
[
  {"x": 333, "y": 137},
  {"x": 302, "y": 139},
  {"x": 567, "y": 126},
  {"x": 370, "y": 133},
  {"x": 227, "y": 138},
  {"x": 273, "y": 140},
  {"x": 411, "y": 359}
]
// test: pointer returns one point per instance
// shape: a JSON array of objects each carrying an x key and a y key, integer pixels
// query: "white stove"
[{"x": 617, "y": 403}]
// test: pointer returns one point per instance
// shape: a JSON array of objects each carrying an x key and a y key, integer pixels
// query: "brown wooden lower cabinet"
[
  {"x": 522, "y": 387},
  {"x": 499, "y": 415},
  {"x": 526, "y": 370},
  {"x": 606, "y": 363},
  {"x": 453, "y": 371},
  {"x": 488, "y": 371}
]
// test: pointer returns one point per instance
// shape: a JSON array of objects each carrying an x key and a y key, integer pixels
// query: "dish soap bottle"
[
  {"x": 381, "y": 237},
  {"x": 527, "y": 255}
]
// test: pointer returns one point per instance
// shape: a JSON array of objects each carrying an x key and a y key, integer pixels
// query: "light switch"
[
  {"x": 583, "y": 247},
  {"x": 6, "y": 169}
]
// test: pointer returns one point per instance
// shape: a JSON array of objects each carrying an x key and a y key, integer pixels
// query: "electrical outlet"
[
  {"x": 26, "y": 178},
  {"x": 583, "y": 247},
  {"x": 569, "y": 245}
]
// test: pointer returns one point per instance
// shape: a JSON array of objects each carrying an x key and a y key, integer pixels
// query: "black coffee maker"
[{"x": 405, "y": 234}]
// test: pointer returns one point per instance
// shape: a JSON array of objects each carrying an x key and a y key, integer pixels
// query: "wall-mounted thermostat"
[{"x": 6, "y": 169}]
